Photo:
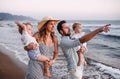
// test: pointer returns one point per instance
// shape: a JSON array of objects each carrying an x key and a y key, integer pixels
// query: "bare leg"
[
  {"x": 46, "y": 69},
  {"x": 85, "y": 62},
  {"x": 80, "y": 58}
]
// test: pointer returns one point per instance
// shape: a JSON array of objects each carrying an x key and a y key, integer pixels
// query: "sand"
[
  {"x": 10, "y": 67},
  {"x": 91, "y": 71}
]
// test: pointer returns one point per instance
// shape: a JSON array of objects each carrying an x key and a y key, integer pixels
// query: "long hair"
[{"x": 42, "y": 33}]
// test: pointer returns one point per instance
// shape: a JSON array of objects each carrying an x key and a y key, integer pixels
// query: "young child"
[
  {"x": 25, "y": 30},
  {"x": 77, "y": 27}
]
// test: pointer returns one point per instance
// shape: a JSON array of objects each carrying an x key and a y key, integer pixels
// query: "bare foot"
[
  {"x": 47, "y": 73},
  {"x": 46, "y": 69}
]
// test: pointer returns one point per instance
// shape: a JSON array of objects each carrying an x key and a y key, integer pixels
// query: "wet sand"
[
  {"x": 91, "y": 71},
  {"x": 104, "y": 56},
  {"x": 10, "y": 67}
]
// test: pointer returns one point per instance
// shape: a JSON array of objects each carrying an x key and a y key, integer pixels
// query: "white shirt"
[
  {"x": 76, "y": 36},
  {"x": 27, "y": 38}
]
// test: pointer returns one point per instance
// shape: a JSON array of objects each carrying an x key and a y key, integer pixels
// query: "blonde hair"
[{"x": 75, "y": 25}]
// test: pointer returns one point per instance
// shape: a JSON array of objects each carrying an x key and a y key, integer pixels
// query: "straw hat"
[{"x": 44, "y": 20}]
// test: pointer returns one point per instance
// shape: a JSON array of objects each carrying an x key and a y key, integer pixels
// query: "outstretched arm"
[
  {"x": 89, "y": 36},
  {"x": 18, "y": 23},
  {"x": 21, "y": 26}
]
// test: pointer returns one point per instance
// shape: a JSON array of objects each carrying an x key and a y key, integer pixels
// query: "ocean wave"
[
  {"x": 116, "y": 28},
  {"x": 113, "y": 71},
  {"x": 24, "y": 59},
  {"x": 111, "y": 36},
  {"x": 114, "y": 33}
]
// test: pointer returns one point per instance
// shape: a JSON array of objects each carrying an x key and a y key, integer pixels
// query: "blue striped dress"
[{"x": 35, "y": 69}]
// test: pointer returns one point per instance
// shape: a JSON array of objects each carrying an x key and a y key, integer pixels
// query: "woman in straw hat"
[{"x": 48, "y": 46}]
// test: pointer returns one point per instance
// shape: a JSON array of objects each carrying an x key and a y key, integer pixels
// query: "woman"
[{"x": 48, "y": 46}]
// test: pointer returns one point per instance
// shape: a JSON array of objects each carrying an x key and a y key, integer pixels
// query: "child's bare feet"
[
  {"x": 46, "y": 69},
  {"x": 47, "y": 73}
]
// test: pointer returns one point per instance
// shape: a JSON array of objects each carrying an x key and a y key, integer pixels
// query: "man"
[{"x": 68, "y": 45}]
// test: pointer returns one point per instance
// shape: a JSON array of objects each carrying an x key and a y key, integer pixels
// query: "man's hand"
[
  {"x": 105, "y": 28},
  {"x": 31, "y": 46}
]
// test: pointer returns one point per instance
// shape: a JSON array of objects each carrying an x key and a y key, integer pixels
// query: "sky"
[{"x": 64, "y": 9}]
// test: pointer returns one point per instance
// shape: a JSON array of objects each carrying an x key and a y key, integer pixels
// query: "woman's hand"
[{"x": 51, "y": 62}]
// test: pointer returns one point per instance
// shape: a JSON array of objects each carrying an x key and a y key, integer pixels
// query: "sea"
[{"x": 104, "y": 49}]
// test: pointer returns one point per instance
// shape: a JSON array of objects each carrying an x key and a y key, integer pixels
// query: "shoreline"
[
  {"x": 93, "y": 70},
  {"x": 10, "y": 66},
  {"x": 102, "y": 58}
]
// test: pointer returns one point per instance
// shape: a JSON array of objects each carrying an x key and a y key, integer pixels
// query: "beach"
[
  {"x": 93, "y": 70},
  {"x": 103, "y": 54},
  {"x": 10, "y": 67}
]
